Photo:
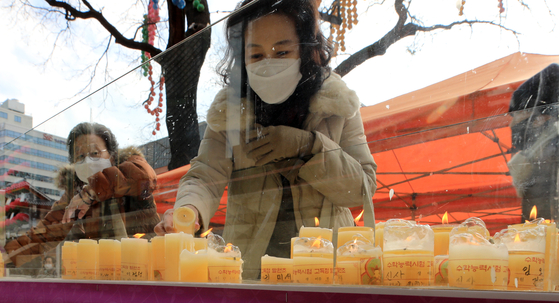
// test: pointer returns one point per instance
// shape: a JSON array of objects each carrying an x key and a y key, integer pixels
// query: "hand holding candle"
[{"x": 184, "y": 219}]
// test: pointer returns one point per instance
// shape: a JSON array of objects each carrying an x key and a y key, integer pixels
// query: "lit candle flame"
[
  {"x": 534, "y": 213},
  {"x": 316, "y": 243},
  {"x": 444, "y": 220},
  {"x": 517, "y": 238},
  {"x": 228, "y": 248},
  {"x": 316, "y": 222},
  {"x": 138, "y": 236},
  {"x": 547, "y": 221},
  {"x": 359, "y": 217},
  {"x": 207, "y": 232}
]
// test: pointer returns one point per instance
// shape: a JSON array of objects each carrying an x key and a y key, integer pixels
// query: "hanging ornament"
[
  {"x": 460, "y": 6},
  {"x": 149, "y": 29},
  {"x": 501, "y": 7},
  {"x": 346, "y": 10}
]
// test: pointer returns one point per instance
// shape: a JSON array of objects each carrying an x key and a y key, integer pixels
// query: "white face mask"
[
  {"x": 274, "y": 80},
  {"x": 48, "y": 266},
  {"x": 90, "y": 167}
]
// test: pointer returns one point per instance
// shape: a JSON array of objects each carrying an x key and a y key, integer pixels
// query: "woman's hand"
[
  {"x": 278, "y": 142},
  {"x": 166, "y": 224},
  {"x": 78, "y": 202}
]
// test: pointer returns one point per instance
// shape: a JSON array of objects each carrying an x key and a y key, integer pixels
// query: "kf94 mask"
[{"x": 274, "y": 80}]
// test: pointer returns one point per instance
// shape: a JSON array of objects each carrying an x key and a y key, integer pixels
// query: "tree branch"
[
  {"x": 72, "y": 13},
  {"x": 397, "y": 33}
]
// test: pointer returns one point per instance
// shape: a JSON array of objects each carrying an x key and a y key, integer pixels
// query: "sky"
[{"x": 49, "y": 81}]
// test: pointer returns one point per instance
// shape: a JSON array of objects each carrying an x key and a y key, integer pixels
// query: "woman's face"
[
  {"x": 271, "y": 37},
  {"x": 91, "y": 145}
]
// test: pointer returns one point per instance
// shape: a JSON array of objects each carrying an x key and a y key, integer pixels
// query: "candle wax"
[
  {"x": 88, "y": 259},
  {"x": 134, "y": 259},
  {"x": 276, "y": 270},
  {"x": 360, "y": 269},
  {"x": 223, "y": 268},
  {"x": 526, "y": 270},
  {"x": 550, "y": 251},
  {"x": 184, "y": 219},
  {"x": 193, "y": 267},
  {"x": 313, "y": 270},
  {"x": 118, "y": 260},
  {"x": 69, "y": 260},
  {"x": 315, "y": 232},
  {"x": 200, "y": 243},
  {"x": 379, "y": 235},
  {"x": 478, "y": 266},
  {"x": 346, "y": 234},
  {"x": 158, "y": 258},
  {"x": 107, "y": 254},
  {"x": 408, "y": 267},
  {"x": 442, "y": 233}
]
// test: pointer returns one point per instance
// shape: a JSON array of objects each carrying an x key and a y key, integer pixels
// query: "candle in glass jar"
[
  {"x": 313, "y": 261},
  {"x": 276, "y": 270},
  {"x": 184, "y": 219},
  {"x": 87, "y": 259},
  {"x": 107, "y": 256},
  {"x": 193, "y": 266},
  {"x": 526, "y": 257},
  {"x": 134, "y": 259},
  {"x": 315, "y": 232},
  {"x": 359, "y": 263},
  {"x": 550, "y": 275},
  {"x": 347, "y": 234},
  {"x": 408, "y": 253},
  {"x": 442, "y": 238},
  {"x": 69, "y": 260},
  {"x": 158, "y": 260},
  {"x": 476, "y": 263},
  {"x": 225, "y": 264}
]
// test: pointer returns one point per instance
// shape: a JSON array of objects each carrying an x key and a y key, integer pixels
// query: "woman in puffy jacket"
[
  {"x": 109, "y": 190},
  {"x": 285, "y": 135}
]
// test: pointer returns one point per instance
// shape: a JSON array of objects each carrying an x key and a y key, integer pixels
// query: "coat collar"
[{"x": 333, "y": 98}]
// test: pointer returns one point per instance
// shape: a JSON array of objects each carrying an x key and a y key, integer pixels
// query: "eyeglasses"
[{"x": 94, "y": 155}]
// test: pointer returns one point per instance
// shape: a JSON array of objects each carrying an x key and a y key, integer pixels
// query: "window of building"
[
  {"x": 17, "y": 118},
  {"x": 3, "y": 115}
]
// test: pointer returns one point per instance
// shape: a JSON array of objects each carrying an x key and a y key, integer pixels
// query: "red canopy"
[{"x": 441, "y": 148}]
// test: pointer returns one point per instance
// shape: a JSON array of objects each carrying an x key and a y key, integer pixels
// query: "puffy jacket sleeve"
[
  {"x": 49, "y": 229},
  {"x": 203, "y": 185},
  {"x": 342, "y": 172},
  {"x": 133, "y": 177}
]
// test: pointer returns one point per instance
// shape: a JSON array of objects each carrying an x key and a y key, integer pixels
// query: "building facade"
[{"x": 28, "y": 155}]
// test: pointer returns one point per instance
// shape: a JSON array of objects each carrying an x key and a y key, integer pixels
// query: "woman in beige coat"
[{"x": 285, "y": 136}]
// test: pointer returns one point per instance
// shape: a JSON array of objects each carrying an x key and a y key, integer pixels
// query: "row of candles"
[
  {"x": 173, "y": 257},
  {"x": 395, "y": 253},
  {"x": 403, "y": 253}
]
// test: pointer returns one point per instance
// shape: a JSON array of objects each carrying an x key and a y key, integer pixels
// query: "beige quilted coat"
[{"x": 340, "y": 174}]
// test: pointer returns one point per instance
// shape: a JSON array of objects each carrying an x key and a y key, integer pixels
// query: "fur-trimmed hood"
[
  {"x": 67, "y": 171},
  {"x": 333, "y": 98}
]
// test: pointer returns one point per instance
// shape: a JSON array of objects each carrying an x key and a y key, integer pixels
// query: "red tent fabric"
[{"x": 441, "y": 148}]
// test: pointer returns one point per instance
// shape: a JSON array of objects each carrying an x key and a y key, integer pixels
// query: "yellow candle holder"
[
  {"x": 359, "y": 263},
  {"x": 526, "y": 257},
  {"x": 408, "y": 254},
  {"x": 276, "y": 270}
]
